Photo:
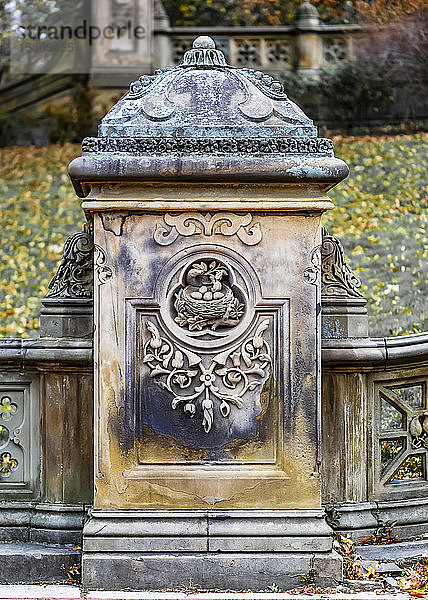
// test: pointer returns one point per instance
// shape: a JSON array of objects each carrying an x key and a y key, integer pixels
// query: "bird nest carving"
[{"x": 207, "y": 300}]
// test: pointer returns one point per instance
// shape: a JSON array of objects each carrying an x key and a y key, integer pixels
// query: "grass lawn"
[{"x": 380, "y": 216}]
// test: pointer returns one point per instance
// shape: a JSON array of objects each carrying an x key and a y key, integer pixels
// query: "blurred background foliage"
[
  {"x": 380, "y": 216},
  {"x": 280, "y": 12}
]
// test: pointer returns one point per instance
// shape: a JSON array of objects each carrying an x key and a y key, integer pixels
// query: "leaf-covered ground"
[{"x": 380, "y": 215}]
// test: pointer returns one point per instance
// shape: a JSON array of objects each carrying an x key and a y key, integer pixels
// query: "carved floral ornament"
[
  {"x": 418, "y": 429},
  {"x": 188, "y": 224},
  {"x": 7, "y": 464},
  {"x": 213, "y": 388}
]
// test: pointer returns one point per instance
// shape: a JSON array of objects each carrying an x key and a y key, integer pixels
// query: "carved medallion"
[
  {"x": 213, "y": 387},
  {"x": 207, "y": 300},
  {"x": 188, "y": 224}
]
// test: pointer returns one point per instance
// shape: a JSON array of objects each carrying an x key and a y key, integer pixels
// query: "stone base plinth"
[
  {"x": 150, "y": 550},
  {"x": 360, "y": 519}
]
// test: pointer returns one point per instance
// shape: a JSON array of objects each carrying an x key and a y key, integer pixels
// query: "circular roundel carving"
[{"x": 207, "y": 296}]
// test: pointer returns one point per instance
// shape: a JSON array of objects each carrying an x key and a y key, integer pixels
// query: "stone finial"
[
  {"x": 203, "y": 54},
  {"x": 307, "y": 16}
]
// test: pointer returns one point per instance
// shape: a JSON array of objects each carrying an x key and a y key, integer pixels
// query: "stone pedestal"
[{"x": 207, "y": 333}]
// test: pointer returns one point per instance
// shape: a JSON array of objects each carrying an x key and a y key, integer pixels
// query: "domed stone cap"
[
  {"x": 204, "y": 97},
  {"x": 206, "y": 120},
  {"x": 307, "y": 15}
]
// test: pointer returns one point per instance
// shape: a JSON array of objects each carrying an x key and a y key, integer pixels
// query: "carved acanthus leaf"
[
  {"x": 226, "y": 381},
  {"x": 74, "y": 276},
  {"x": 337, "y": 279}
]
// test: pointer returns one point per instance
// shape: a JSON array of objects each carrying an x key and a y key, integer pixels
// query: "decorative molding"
[
  {"x": 19, "y": 434},
  {"x": 188, "y": 224},
  {"x": 224, "y": 383},
  {"x": 74, "y": 276},
  {"x": 206, "y": 300},
  {"x": 337, "y": 279},
  {"x": 167, "y": 145}
]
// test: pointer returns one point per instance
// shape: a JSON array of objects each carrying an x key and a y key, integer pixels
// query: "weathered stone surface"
[
  {"x": 67, "y": 318},
  {"x": 208, "y": 531},
  {"x": 394, "y": 552},
  {"x": 151, "y": 441}
]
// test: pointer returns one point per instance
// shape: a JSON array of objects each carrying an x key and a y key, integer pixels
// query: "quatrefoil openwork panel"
[
  {"x": 206, "y": 351},
  {"x": 401, "y": 434},
  {"x": 11, "y": 422}
]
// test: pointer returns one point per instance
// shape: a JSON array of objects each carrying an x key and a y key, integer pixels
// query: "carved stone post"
[
  {"x": 206, "y": 187},
  {"x": 309, "y": 42}
]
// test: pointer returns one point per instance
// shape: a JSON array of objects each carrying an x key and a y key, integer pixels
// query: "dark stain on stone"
[{"x": 114, "y": 222}]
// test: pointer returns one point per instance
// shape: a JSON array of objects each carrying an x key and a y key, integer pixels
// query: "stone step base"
[
  {"x": 38, "y": 563},
  {"x": 385, "y": 553},
  {"x": 209, "y": 571}
]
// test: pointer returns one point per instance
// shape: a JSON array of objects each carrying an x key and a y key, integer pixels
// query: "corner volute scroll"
[
  {"x": 74, "y": 276},
  {"x": 337, "y": 279},
  {"x": 330, "y": 268}
]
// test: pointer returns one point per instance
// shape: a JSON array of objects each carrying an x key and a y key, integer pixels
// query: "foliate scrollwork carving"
[
  {"x": 312, "y": 273},
  {"x": 225, "y": 382},
  {"x": 270, "y": 86},
  {"x": 74, "y": 277},
  {"x": 103, "y": 271},
  {"x": 227, "y": 224},
  {"x": 207, "y": 300},
  {"x": 337, "y": 279}
]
